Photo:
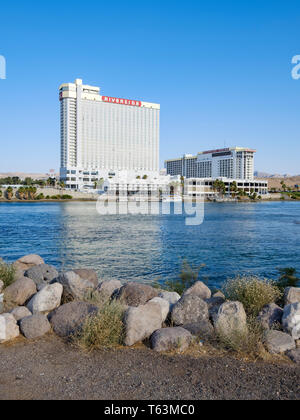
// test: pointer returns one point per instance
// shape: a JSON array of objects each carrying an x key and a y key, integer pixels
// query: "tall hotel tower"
[{"x": 102, "y": 136}]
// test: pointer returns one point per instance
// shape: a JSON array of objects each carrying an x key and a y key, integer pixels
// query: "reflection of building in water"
[{"x": 123, "y": 247}]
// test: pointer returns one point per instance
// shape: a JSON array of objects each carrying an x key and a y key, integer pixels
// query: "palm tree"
[
  {"x": 219, "y": 186},
  {"x": 32, "y": 192},
  {"x": 9, "y": 193},
  {"x": 21, "y": 192},
  {"x": 233, "y": 188}
]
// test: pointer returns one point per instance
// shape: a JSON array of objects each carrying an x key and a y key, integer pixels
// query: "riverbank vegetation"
[{"x": 30, "y": 194}]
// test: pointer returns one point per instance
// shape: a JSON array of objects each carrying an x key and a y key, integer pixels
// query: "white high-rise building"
[
  {"x": 102, "y": 136},
  {"x": 231, "y": 163}
]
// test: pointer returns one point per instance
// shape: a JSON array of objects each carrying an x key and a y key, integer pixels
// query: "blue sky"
[{"x": 221, "y": 71}]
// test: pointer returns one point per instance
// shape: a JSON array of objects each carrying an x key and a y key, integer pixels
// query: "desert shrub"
[
  {"x": 188, "y": 276},
  {"x": 40, "y": 197},
  {"x": 246, "y": 342},
  {"x": 66, "y": 197},
  {"x": 7, "y": 274},
  {"x": 254, "y": 293},
  {"x": 104, "y": 330},
  {"x": 54, "y": 197}
]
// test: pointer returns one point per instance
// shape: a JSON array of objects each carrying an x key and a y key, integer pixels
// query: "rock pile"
[{"x": 42, "y": 299}]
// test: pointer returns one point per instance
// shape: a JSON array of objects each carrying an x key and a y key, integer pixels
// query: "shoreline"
[{"x": 74, "y": 200}]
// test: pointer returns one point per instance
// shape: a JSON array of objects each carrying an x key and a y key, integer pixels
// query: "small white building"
[
  {"x": 123, "y": 184},
  {"x": 204, "y": 187}
]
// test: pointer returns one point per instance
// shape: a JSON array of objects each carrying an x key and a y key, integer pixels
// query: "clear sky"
[{"x": 221, "y": 71}]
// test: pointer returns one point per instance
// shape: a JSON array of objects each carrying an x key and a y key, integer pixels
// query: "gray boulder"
[
  {"x": 75, "y": 287},
  {"x": 140, "y": 322},
  {"x": 20, "y": 312},
  {"x": 41, "y": 274},
  {"x": 168, "y": 339},
  {"x": 214, "y": 304},
  {"x": 108, "y": 288},
  {"x": 69, "y": 318},
  {"x": 20, "y": 291},
  {"x": 219, "y": 294},
  {"x": 199, "y": 289},
  {"x": 278, "y": 342},
  {"x": 203, "y": 330},
  {"x": 88, "y": 274},
  {"x": 291, "y": 320},
  {"x": 35, "y": 326},
  {"x": 136, "y": 294},
  {"x": 294, "y": 355},
  {"x": 231, "y": 320},
  {"x": 189, "y": 309},
  {"x": 171, "y": 297},
  {"x": 24, "y": 263},
  {"x": 291, "y": 295},
  {"x": 47, "y": 299},
  {"x": 270, "y": 315},
  {"x": 8, "y": 328},
  {"x": 164, "y": 307}
]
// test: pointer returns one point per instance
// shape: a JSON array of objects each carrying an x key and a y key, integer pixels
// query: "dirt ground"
[{"x": 51, "y": 369}]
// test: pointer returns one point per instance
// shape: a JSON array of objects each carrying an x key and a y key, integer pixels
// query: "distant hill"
[
  {"x": 23, "y": 175},
  {"x": 259, "y": 174},
  {"x": 289, "y": 182}
]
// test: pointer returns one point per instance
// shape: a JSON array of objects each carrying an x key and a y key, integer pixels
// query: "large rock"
[
  {"x": 167, "y": 339},
  {"x": 231, "y": 320},
  {"x": 136, "y": 294},
  {"x": 189, "y": 309},
  {"x": 69, "y": 318},
  {"x": 140, "y": 322},
  {"x": 41, "y": 274},
  {"x": 108, "y": 288},
  {"x": 270, "y": 314},
  {"x": 8, "y": 328},
  {"x": 35, "y": 326},
  {"x": 164, "y": 307},
  {"x": 199, "y": 289},
  {"x": 291, "y": 320},
  {"x": 214, "y": 304},
  {"x": 28, "y": 261},
  {"x": 88, "y": 274},
  {"x": 294, "y": 355},
  {"x": 278, "y": 342},
  {"x": 1, "y": 286},
  {"x": 203, "y": 329},
  {"x": 291, "y": 295},
  {"x": 20, "y": 291},
  {"x": 47, "y": 299},
  {"x": 75, "y": 287},
  {"x": 171, "y": 297},
  {"x": 20, "y": 312}
]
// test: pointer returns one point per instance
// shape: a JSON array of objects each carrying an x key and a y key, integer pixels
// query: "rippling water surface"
[{"x": 234, "y": 238}]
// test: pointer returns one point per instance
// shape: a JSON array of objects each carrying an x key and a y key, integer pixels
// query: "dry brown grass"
[
  {"x": 103, "y": 330},
  {"x": 7, "y": 274}
]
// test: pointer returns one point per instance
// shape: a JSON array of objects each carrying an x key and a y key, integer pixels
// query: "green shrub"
[
  {"x": 40, "y": 197},
  {"x": 254, "y": 293},
  {"x": 104, "y": 330},
  {"x": 54, "y": 197},
  {"x": 287, "y": 278},
  {"x": 188, "y": 276},
  {"x": 66, "y": 197},
  {"x": 7, "y": 274}
]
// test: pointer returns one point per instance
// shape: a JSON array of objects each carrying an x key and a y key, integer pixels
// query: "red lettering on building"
[{"x": 120, "y": 101}]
